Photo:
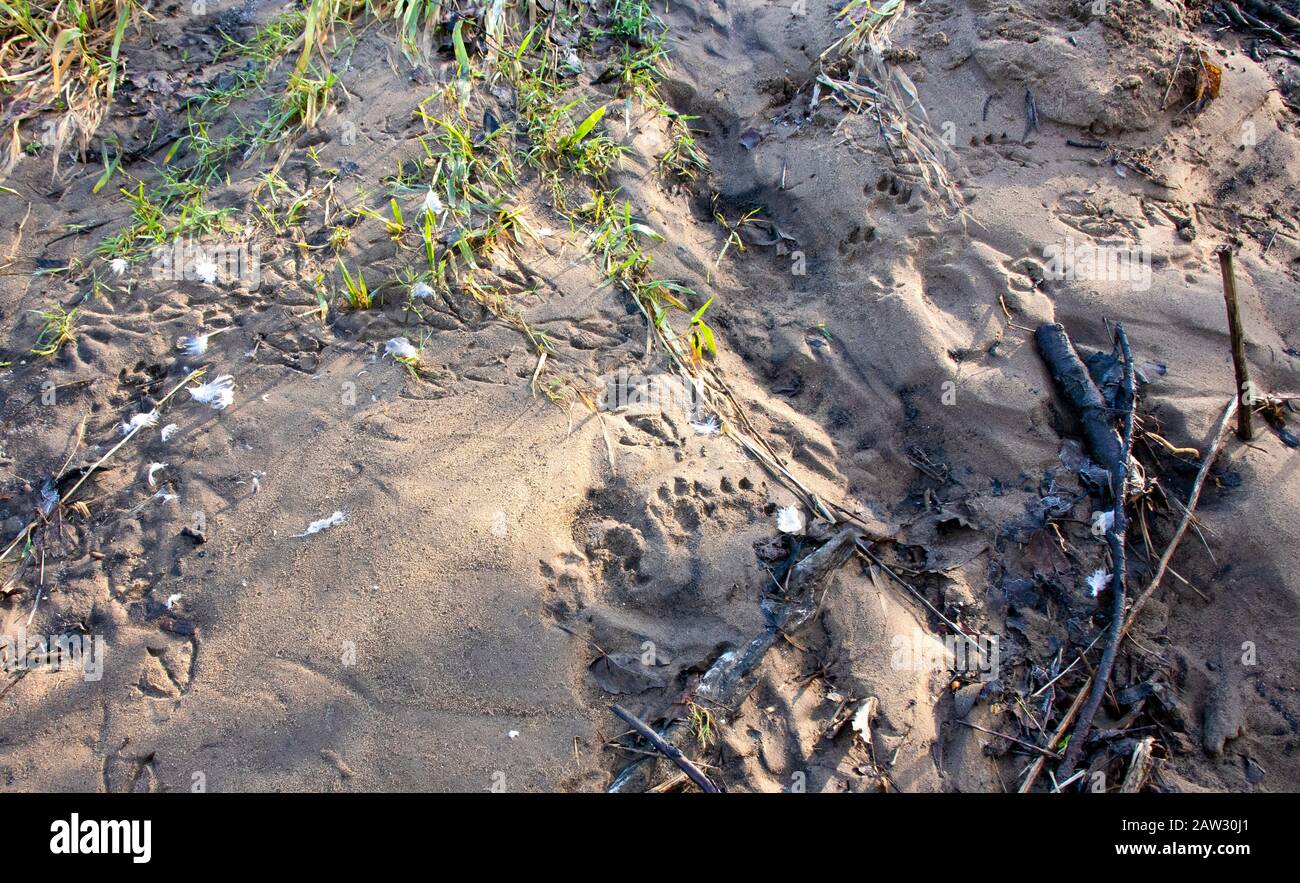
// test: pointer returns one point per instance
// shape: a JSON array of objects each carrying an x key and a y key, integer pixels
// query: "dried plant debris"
[{"x": 1277, "y": 20}]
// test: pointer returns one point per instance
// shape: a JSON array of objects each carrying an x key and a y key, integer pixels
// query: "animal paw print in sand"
[
  {"x": 891, "y": 189},
  {"x": 292, "y": 348},
  {"x": 633, "y": 547},
  {"x": 687, "y": 504},
  {"x": 857, "y": 240},
  {"x": 653, "y": 430},
  {"x": 1093, "y": 218},
  {"x": 683, "y": 507},
  {"x": 566, "y": 577},
  {"x": 617, "y": 553},
  {"x": 168, "y": 666},
  {"x": 130, "y": 770}
]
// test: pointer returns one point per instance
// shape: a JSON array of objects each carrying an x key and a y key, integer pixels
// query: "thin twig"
[
  {"x": 1192, "y": 500},
  {"x": 667, "y": 749},
  {"x": 1174, "y": 76},
  {"x": 1023, "y": 744},
  {"x": 1065, "y": 670},
  {"x": 1220, "y": 435},
  {"x": 1238, "y": 339},
  {"x": 867, "y": 553}
]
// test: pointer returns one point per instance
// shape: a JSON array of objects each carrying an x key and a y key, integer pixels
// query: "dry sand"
[{"x": 440, "y": 637}]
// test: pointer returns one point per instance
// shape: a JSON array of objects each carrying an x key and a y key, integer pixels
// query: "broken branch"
[
  {"x": 1244, "y": 430},
  {"x": 1076, "y": 385},
  {"x": 1220, "y": 435},
  {"x": 1116, "y": 538},
  {"x": 667, "y": 749}
]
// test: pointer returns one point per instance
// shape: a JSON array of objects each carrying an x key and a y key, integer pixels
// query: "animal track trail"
[
  {"x": 890, "y": 189},
  {"x": 1099, "y": 221},
  {"x": 567, "y": 577},
  {"x": 290, "y": 347},
  {"x": 683, "y": 508},
  {"x": 167, "y": 671},
  {"x": 630, "y": 550},
  {"x": 128, "y": 772},
  {"x": 650, "y": 430}
]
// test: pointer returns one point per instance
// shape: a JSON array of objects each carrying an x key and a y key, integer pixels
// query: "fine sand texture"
[{"x": 538, "y": 519}]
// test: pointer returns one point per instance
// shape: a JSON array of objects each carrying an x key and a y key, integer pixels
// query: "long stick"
[
  {"x": 1116, "y": 537},
  {"x": 1220, "y": 435},
  {"x": 1193, "y": 498},
  {"x": 667, "y": 749},
  {"x": 1244, "y": 429}
]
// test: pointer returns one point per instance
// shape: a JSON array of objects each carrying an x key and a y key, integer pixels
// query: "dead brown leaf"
[{"x": 1044, "y": 555}]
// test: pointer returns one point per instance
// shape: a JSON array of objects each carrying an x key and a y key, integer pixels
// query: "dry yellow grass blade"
[{"x": 62, "y": 59}]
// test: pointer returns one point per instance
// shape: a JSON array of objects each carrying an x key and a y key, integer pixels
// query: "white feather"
[
  {"x": 790, "y": 519},
  {"x": 401, "y": 348},
  {"x": 153, "y": 468},
  {"x": 197, "y": 344},
  {"x": 218, "y": 394},
  {"x": 139, "y": 421},
  {"x": 708, "y": 426},
  {"x": 205, "y": 269},
  {"x": 1098, "y": 581},
  {"x": 169, "y": 430},
  {"x": 321, "y": 524}
]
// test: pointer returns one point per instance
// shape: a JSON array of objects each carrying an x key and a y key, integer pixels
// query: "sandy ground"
[{"x": 442, "y": 636}]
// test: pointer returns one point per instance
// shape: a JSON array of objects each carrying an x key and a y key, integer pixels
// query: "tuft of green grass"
[
  {"x": 318, "y": 25},
  {"x": 703, "y": 726},
  {"x": 322, "y": 309},
  {"x": 733, "y": 238},
  {"x": 701, "y": 337},
  {"x": 306, "y": 96},
  {"x": 151, "y": 225},
  {"x": 429, "y": 236},
  {"x": 356, "y": 290},
  {"x": 58, "y": 327},
  {"x": 409, "y": 14},
  {"x": 340, "y": 235},
  {"x": 641, "y": 70},
  {"x": 560, "y": 140},
  {"x": 616, "y": 239},
  {"x": 396, "y": 225},
  {"x": 630, "y": 21},
  {"x": 683, "y": 157}
]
